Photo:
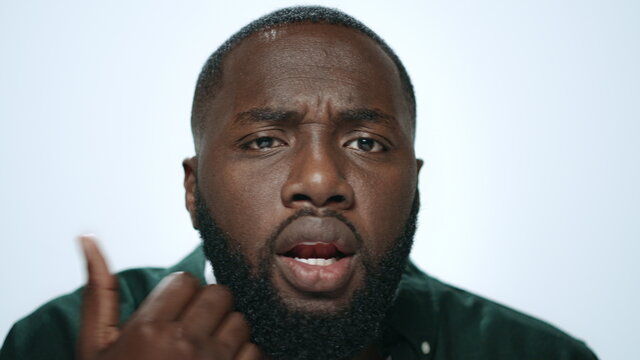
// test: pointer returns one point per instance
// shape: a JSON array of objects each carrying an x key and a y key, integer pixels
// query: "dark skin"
[
  {"x": 178, "y": 320},
  {"x": 308, "y": 116}
]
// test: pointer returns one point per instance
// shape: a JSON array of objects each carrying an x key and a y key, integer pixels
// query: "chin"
[
  {"x": 294, "y": 311},
  {"x": 317, "y": 304},
  {"x": 334, "y": 297}
]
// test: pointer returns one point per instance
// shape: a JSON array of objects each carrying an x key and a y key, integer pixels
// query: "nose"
[{"x": 316, "y": 179}]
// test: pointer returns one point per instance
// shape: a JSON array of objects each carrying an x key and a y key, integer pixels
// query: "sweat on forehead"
[{"x": 268, "y": 28}]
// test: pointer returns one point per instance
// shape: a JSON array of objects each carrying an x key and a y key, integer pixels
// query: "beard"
[{"x": 283, "y": 332}]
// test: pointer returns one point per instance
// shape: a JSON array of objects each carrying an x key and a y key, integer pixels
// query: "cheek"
[
  {"x": 384, "y": 204},
  {"x": 244, "y": 201}
]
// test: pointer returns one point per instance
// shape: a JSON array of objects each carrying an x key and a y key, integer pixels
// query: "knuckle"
[
  {"x": 185, "y": 279},
  {"x": 238, "y": 323},
  {"x": 185, "y": 348},
  {"x": 229, "y": 339},
  {"x": 223, "y": 348},
  {"x": 251, "y": 351},
  {"x": 183, "y": 344},
  {"x": 218, "y": 295},
  {"x": 257, "y": 352},
  {"x": 144, "y": 330}
]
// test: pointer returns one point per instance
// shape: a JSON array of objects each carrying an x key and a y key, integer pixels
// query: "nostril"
[
  {"x": 301, "y": 197},
  {"x": 336, "y": 199}
]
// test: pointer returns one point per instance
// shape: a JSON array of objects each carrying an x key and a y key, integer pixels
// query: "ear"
[{"x": 190, "y": 166}]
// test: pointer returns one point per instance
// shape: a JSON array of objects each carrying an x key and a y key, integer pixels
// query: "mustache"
[{"x": 311, "y": 212}]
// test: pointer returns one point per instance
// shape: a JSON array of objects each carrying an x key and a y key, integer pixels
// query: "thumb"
[{"x": 99, "y": 325}]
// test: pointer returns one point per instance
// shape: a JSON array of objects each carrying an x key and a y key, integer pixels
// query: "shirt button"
[{"x": 425, "y": 347}]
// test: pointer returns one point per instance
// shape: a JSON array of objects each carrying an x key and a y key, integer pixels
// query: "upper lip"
[{"x": 308, "y": 229}]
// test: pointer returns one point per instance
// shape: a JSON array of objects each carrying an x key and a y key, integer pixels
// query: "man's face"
[{"x": 308, "y": 117}]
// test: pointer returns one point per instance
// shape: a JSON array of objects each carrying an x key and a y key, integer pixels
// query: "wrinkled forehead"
[
  {"x": 285, "y": 61},
  {"x": 298, "y": 45}
]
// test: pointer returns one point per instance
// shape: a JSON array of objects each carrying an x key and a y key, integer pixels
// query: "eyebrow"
[
  {"x": 375, "y": 116},
  {"x": 265, "y": 115},
  {"x": 279, "y": 116}
]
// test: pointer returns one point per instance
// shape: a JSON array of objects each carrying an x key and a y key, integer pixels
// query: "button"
[
  {"x": 425, "y": 347},
  {"x": 388, "y": 357}
]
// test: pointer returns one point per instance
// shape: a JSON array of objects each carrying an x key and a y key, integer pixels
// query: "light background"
[{"x": 528, "y": 125}]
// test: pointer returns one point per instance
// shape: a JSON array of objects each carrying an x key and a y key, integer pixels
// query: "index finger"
[
  {"x": 168, "y": 299},
  {"x": 99, "y": 326}
]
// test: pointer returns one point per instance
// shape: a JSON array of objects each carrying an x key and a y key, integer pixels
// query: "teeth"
[{"x": 319, "y": 262}]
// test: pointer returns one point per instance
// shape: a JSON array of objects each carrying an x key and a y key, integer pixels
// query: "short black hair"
[{"x": 210, "y": 76}]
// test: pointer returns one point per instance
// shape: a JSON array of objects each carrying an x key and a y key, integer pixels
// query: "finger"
[
  {"x": 168, "y": 299},
  {"x": 99, "y": 326},
  {"x": 205, "y": 313},
  {"x": 231, "y": 335},
  {"x": 250, "y": 351}
]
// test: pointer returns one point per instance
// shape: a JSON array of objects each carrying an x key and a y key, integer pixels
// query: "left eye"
[
  {"x": 366, "y": 145},
  {"x": 265, "y": 142}
]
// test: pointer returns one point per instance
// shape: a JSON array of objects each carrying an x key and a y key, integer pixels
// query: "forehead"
[{"x": 294, "y": 65}]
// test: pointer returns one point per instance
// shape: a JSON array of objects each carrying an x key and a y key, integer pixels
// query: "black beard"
[{"x": 285, "y": 333}]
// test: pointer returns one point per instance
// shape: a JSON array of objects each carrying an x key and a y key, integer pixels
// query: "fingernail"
[
  {"x": 171, "y": 279},
  {"x": 86, "y": 242}
]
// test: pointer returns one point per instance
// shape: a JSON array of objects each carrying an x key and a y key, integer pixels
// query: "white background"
[{"x": 528, "y": 125}]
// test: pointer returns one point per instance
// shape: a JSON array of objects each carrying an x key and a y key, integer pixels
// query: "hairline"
[{"x": 210, "y": 78}]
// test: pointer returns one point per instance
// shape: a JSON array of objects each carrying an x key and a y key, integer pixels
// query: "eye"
[
  {"x": 263, "y": 143},
  {"x": 366, "y": 145}
]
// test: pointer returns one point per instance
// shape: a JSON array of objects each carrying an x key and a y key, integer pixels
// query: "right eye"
[{"x": 264, "y": 143}]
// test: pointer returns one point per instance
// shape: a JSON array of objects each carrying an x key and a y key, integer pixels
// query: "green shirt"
[{"x": 429, "y": 320}]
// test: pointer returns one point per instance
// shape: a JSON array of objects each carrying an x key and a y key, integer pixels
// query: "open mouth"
[
  {"x": 316, "y": 253},
  {"x": 316, "y": 267}
]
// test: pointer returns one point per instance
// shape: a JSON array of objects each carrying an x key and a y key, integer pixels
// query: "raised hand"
[{"x": 178, "y": 320}]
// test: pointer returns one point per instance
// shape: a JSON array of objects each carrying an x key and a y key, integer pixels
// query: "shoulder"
[
  {"x": 468, "y": 326},
  {"x": 50, "y": 332}
]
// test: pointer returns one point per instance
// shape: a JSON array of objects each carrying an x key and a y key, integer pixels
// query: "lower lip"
[{"x": 316, "y": 278}]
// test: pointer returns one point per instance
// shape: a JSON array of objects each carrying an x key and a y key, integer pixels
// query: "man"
[{"x": 304, "y": 191}]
